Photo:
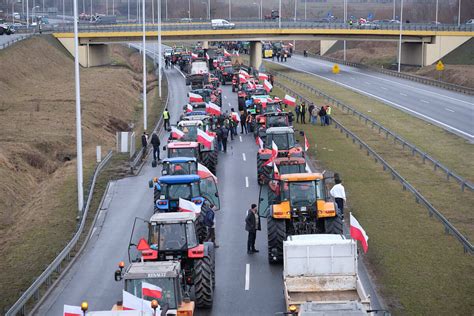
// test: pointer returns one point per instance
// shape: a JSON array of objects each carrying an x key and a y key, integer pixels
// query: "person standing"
[
  {"x": 339, "y": 194},
  {"x": 219, "y": 138},
  {"x": 328, "y": 114},
  {"x": 322, "y": 115},
  {"x": 155, "y": 142},
  {"x": 210, "y": 222},
  {"x": 224, "y": 134},
  {"x": 144, "y": 144},
  {"x": 303, "y": 113},
  {"x": 297, "y": 111},
  {"x": 310, "y": 113},
  {"x": 278, "y": 56},
  {"x": 243, "y": 122},
  {"x": 252, "y": 224},
  {"x": 166, "y": 118}
]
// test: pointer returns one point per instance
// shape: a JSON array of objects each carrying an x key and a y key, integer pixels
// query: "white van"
[{"x": 221, "y": 24}]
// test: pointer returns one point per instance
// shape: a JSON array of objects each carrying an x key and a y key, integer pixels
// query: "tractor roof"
[
  {"x": 173, "y": 217},
  {"x": 280, "y": 130},
  {"x": 179, "y": 179},
  {"x": 143, "y": 270},
  {"x": 190, "y": 123},
  {"x": 179, "y": 160},
  {"x": 196, "y": 113},
  {"x": 295, "y": 177},
  {"x": 183, "y": 145},
  {"x": 196, "y": 117},
  {"x": 276, "y": 113},
  {"x": 290, "y": 161}
]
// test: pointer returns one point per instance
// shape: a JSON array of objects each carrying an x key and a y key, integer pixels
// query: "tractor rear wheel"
[
  {"x": 334, "y": 225},
  {"x": 201, "y": 229},
  {"x": 156, "y": 197},
  {"x": 263, "y": 174},
  {"x": 276, "y": 230},
  {"x": 203, "y": 282},
  {"x": 209, "y": 161}
]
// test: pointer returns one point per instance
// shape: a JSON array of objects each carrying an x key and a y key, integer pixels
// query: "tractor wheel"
[
  {"x": 276, "y": 230},
  {"x": 203, "y": 282},
  {"x": 212, "y": 254},
  {"x": 201, "y": 230},
  {"x": 263, "y": 174},
  {"x": 209, "y": 161},
  {"x": 156, "y": 196},
  {"x": 334, "y": 225}
]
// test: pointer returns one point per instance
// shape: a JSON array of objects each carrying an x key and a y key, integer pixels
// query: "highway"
[
  {"x": 449, "y": 110},
  {"x": 7, "y": 38}
]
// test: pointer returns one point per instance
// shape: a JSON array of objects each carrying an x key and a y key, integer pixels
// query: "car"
[
  {"x": 185, "y": 20},
  {"x": 221, "y": 24},
  {"x": 7, "y": 29},
  {"x": 470, "y": 22}
]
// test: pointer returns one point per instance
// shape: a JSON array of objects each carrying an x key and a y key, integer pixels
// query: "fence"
[
  {"x": 432, "y": 211},
  {"x": 420, "y": 79},
  {"x": 45, "y": 280},
  {"x": 14, "y": 40},
  {"x": 396, "y": 138}
]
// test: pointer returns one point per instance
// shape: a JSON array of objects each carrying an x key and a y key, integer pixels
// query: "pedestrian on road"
[
  {"x": 305, "y": 53},
  {"x": 243, "y": 122},
  {"x": 290, "y": 118},
  {"x": 144, "y": 144},
  {"x": 252, "y": 224},
  {"x": 303, "y": 113},
  {"x": 285, "y": 55},
  {"x": 224, "y": 134},
  {"x": 328, "y": 114},
  {"x": 219, "y": 138},
  {"x": 166, "y": 119},
  {"x": 322, "y": 115},
  {"x": 338, "y": 193},
  {"x": 210, "y": 222},
  {"x": 278, "y": 56},
  {"x": 297, "y": 111},
  {"x": 155, "y": 142}
]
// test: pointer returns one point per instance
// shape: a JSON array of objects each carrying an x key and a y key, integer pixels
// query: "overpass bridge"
[{"x": 421, "y": 44}]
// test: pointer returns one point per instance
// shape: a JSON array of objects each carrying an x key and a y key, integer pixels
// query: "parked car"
[
  {"x": 7, "y": 29},
  {"x": 221, "y": 24},
  {"x": 470, "y": 22}
]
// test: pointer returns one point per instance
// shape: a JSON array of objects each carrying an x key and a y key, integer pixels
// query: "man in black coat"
[
  {"x": 252, "y": 224},
  {"x": 155, "y": 142}
]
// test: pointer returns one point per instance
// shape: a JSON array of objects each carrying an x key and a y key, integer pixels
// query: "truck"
[
  {"x": 199, "y": 73},
  {"x": 322, "y": 270}
]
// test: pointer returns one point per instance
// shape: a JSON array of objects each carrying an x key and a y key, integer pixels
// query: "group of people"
[
  {"x": 281, "y": 55},
  {"x": 313, "y": 111}
]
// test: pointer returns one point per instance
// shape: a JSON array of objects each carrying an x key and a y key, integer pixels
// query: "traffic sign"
[
  {"x": 335, "y": 69},
  {"x": 440, "y": 66}
]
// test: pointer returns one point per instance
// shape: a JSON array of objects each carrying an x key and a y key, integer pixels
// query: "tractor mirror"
[
  {"x": 118, "y": 275},
  {"x": 150, "y": 184},
  {"x": 217, "y": 194},
  {"x": 164, "y": 147}
]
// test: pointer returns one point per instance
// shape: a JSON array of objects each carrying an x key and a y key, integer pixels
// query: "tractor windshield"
[
  {"x": 288, "y": 169},
  {"x": 177, "y": 191},
  {"x": 190, "y": 132},
  {"x": 301, "y": 193},
  {"x": 167, "y": 285},
  {"x": 180, "y": 168},
  {"x": 283, "y": 141},
  {"x": 277, "y": 121},
  {"x": 272, "y": 107},
  {"x": 182, "y": 152},
  {"x": 176, "y": 236}
]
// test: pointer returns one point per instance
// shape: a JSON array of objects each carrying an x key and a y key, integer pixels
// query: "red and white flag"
[
  {"x": 274, "y": 154},
  {"x": 188, "y": 206},
  {"x": 204, "y": 138},
  {"x": 244, "y": 73},
  {"x": 276, "y": 99},
  {"x": 259, "y": 142},
  {"x": 267, "y": 86},
  {"x": 276, "y": 172},
  {"x": 193, "y": 97},
  {"x": 213, "y": 109},
  {"x": 242, "y": 78},
  {"x": 262, "y": 76},
  {"x": 176, "y": 133},
  {"x": 251, "y": 85},
  {"x": 193, "y": 55},
  {"x": 235, "y": 117},
  {"x": 189, "y": 108},
  {"x": 358, "y": 233},
  {"x": 131, "y": 302},
  {"x": 226, "y": 53},
  {"x": 207, "y": 56},
  {"x": 70, "y": 310},
  {"x": 151, "y": 290},
  {"x": 289, "y": 100},
  {"x": 236, "y": 53},
  {"x": 204, "y": 173},
  {"x": 306, "y": 143},
  {"x": 290, "y": 44}
]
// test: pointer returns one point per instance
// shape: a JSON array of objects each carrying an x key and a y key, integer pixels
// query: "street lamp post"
[
  {"x": 166, "y": 10},
  {"x": 207, "y": 10},
  {"x": 394, "y": 2},
  {"x": 279, "y": 14},
  {"x": 144, "y": 67},
  {"x": 400, "y": 40},
  {"x": 160, "y": 55},
  {"x": 305, "y": 9},
  {"x": 128, "y": 10},
  {"x": 189, "y": 9},
  {"x": 296, "y": 3},
  {"x": 27, "y": 15},
  {"x": 345, "y": 21},
  {"x": 436, "y": 18},
  {"x": 230, "y": 10},
  {"x": 459, "y": 13},
  {"x": 258, "y": 6}
]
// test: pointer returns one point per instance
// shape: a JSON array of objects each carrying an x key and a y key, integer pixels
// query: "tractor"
[
  {"x": 208, "y": 95},
  {"x": 192, "y": 150},
  {"x": 173, "y": 237},
  {"x": 268, "y": 120},
  {"x": 285, "y": 165},
  {"x": 179, "y": 166},
  {"x": 167, "y": 275},
  {"x": 297, "y": 204}
]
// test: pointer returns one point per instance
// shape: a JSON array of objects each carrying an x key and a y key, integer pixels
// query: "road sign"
[
  {"x": 335, "y": 69},
  {"x": 370, "y": 16},
  {"x": 440, "y": 66}
]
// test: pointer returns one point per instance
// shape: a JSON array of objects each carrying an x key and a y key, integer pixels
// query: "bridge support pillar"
[
  {"x": 327, "y": 47},
  {"x": 89, "y": 55},
  {"x": 205, "y": 44},
  {"x": 256, "y": 54}
]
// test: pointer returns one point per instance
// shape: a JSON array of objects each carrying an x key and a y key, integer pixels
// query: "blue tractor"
[{"x": 179, "y": 166}]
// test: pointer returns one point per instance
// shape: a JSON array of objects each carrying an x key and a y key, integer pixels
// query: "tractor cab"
[
  {"x": 182, "y": 149},
  {"x": 179, "y": 166},
  {"x": 190, "y": 129},
  {"x": 268, "y": 120},
  {"x": 270, "y": 106},
  {"x": 196, "y": 106},
  {"x": 284, "y": 138}
]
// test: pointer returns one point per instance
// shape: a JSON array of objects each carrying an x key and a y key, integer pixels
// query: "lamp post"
[
  {"x": 160, "y": 55},
  {"x": 27, "y": 15},
  {"x": 459, "y": 13},
  {"x": 296, "y": 3},
  {"x": 279, "y": 14},
  {"x": 144, "y": 67},
  {"x": 230, "y": 10},
  {"x": 305, "y": 9},
  {"x": 258, "y": 6},
  {"x": 345, "y": 21},
  {"x": 166, "y": 10},
  {"x": 207, "y": 9},
  {"x": 400, "y": 40},
  {"x": 189, "y": 9},
  {"x": 394, "y": 2},
  {"x": 128, "y": 10},
  {"x": 436, "y": 17}
]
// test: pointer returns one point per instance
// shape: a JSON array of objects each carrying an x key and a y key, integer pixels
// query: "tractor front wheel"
[
  {"x": 203, "y": 282},
  {"x": 334, "y": 225},
  {"x": 276, "y": 230}
]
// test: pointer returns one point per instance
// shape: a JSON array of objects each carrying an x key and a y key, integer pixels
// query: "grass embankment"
[
  {"x": 419, "y": 269},
  {"x": 38, "y": 202}
]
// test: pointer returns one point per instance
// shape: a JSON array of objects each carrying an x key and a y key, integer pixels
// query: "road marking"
[
  {"x": 243, "y": 157},
  {"x": 403, "y": 94},
  {"x": 383, "y": 88},
  {"x": 92, "y": 234},
  {"x": 246, "y": 182},
  {"x": 387, "y": 101},
  {"x": 240, "y": 138},
  {"x": 448, "y": 109},
  {"x": 424, "y": 101},
  {"x": 247, "y": 276},
  {"x": 366, "y": 82},
  {"x": 225, "y": 97},
  {"x": 230, "y": 105}
]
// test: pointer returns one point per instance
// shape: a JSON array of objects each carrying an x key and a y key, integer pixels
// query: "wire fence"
[
  {"x": 464, "y": 183},
  {"x": 420, "y": 199}
]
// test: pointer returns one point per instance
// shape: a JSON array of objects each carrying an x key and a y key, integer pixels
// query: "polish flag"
[
  {"x": 131, "y": 302},
  {"x": 244, "y": 73},
  {"x": 251, "y": 85},
  {"x": 262, "y": 76},
  {"x": 235, "y": 117},
  {"x": 276, "y": 99},
  {"x": 193, "y": 55},
  {"x": 290, "y": 44},
  {"x": 236, "y": 53},
  {"x": 259, "y": 142},
  {"x": 151, "y": 290},
  {"x": 358, "y": 233},
  {"x": 70, "y": 310},
  {"x": 176, "y": 133},
  {"x": 189, "y": 108},
  {"x": 242, "y": 78},
  {"x": 306, "y": 143},
  {"x": 289, "y": 100},
  {"x": 204, "y": 173},
  {"x": 213, "y": 109},
  {"x": 204, "y": 139},
  {"x": 276, "y": 172},
  {"x": 188, "y": 206},
  {"x": 207, "y": 56},
  {"x": 267, "y": 86},
  {"x": 226, "y": 53},
  {"x": 193, "y": 97},
  {"x": 274, "y": 154}
]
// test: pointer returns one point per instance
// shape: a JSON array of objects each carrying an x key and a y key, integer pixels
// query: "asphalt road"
[
  {"x": 7, "y": 38},
  {"x": 449, "y": 110}
]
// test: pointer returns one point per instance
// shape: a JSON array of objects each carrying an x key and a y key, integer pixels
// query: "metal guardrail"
[
  {"x": 448, "y": 227},
  {"x": 420, "y": 79},
  {"x": 46, "y": 278},
  {"x": 397, "y": 138},
  {"x": 15, "y": 40}
]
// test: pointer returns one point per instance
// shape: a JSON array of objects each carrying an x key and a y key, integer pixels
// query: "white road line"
[
  {"x": 403, "y": 94},
  {"x": 243, "y": 157},
  {"x": 389, "y": 102},
  {"x": 230, "y": 105},
  {"x": 225, "y": 97},
  {"x": 240, "y": 138},
  {"x": 246, "y": 182},
  {"x": 366, "y": 82},
  {"x": 448, "y": 109},
  {"x": 383, "y": 88},
  {"x": 247, "y": 276},
  {"x": 424, "y": 101}
]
